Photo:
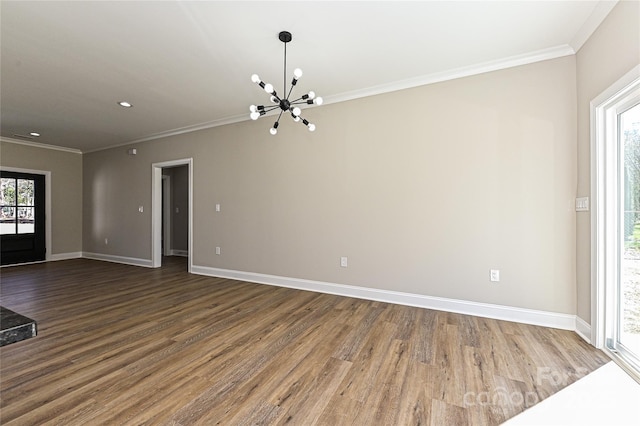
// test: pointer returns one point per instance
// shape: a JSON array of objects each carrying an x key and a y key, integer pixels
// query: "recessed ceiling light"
[
  {"x": 36, "y": 134},
  {"x": 125, "y": 104}
]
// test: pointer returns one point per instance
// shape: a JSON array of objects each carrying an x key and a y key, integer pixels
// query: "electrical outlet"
[
  {"x": 106, "y": 241},
  {"x": 343, "y": 262},
  {"x": 494, "y": 275},
  {"x": 217, "y": 207},
  {"x": 217, "y": 250}
]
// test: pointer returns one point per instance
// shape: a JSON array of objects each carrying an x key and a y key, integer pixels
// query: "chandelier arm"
[
  {"x": 306, "y": 122},
  {"x": 269, "y": 109},
  {"x": 262, "y": 85},
  {"x": 274, "y": 94},
  {"x": 299, "y": 101},
  {"x": 290, "y": 90},
  {"x": 279, "y": 116},
  {"x": 300, "y": 119}
]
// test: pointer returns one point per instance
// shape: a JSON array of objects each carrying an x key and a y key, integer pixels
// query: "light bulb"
[
  {"x": 252, "y": 108},
  {"x": 311, "y": 127},
  {"x": 296, "y": 111},
  {"x": 274, "y": 100},
  {"x": 255, "y": 78},
  {"x": 318, "y": 101},
  {"x": 268, "y": 88},
  {"x": 254, "y": 115},
  {"x": 295, "y": 118},
  {"x": 273, "y": 131},
  {"x": 297, "y": 73}
]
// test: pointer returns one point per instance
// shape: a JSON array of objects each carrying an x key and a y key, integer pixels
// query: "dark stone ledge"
[{"x": 15, "y": 327}]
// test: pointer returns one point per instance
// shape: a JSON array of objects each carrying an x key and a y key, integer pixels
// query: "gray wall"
[
  {"x": 611, "y": 52},
  {"x": 66, "y": 190},
  {"x": 425, "y": 190}
]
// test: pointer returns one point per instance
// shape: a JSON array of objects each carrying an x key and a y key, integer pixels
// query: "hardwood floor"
[{"x": 122, "y": 345}]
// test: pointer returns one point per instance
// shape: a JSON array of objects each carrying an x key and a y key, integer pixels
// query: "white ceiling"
[{"x": 187, "y": 65}]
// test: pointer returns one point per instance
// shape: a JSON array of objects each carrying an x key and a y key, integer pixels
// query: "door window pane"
[
  {"x": 7, "y": 206},
  {"x": 7, "y": 191},
  {"x": 25, "y": 192},
  {"x": 629, "y": 290},
  {"x": 7, "y": 220},
  {"x": 26, "y": 220}
]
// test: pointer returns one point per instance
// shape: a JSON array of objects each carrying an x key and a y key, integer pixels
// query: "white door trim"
[
  {"x": 602, "y": 164},
  {"x": 166, "y": 214}
]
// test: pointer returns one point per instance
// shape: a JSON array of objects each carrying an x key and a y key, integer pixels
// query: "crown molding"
[
  {"x": 195, "y": 127},
  {"x": 39, "y": 145},
  {"x": 592, "y": 23},
  {"x": 178, "y": 131},
  {"x": 481, "y": 68}
]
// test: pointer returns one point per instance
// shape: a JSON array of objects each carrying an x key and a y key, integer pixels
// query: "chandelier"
[{"x": 283, "y": 103}]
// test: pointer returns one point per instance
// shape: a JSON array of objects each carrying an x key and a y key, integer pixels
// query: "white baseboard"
[
  {"x": 583, "y": 329},
  {"x": 507, "y": 313},
  {"x": 118, "y": 259},
  {"x": 65, "y": 256},
  {"x": 181, "y": 253}
]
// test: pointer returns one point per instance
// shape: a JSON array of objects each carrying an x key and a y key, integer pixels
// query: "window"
[{"x": 17, "y": 206}]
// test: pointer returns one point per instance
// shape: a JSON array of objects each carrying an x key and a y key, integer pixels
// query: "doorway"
[
  {"x": 22, "y": 217},
  {"x": 179, "y": 171},
  {"x": 175, "y": 211}
]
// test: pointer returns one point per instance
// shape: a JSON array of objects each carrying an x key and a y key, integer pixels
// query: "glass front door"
[
  {"x": 22, "y": 218},
  {"x": 627, "y": 339}
]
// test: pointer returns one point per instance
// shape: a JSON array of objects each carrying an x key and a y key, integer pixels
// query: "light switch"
[
  {"x": 140, "y": 209},
  {"x": 582, "y": 204}
]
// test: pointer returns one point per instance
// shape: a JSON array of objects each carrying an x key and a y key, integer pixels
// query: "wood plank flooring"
[{"x": 122, "y": 345}]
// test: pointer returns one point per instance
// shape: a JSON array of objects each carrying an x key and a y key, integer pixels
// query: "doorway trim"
[
  {"x": 166, "y": 214},
  {"x": 156, "y": 210},
  {"x": 47, "y": 204},
  {"x": 604, "y": 225}
]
